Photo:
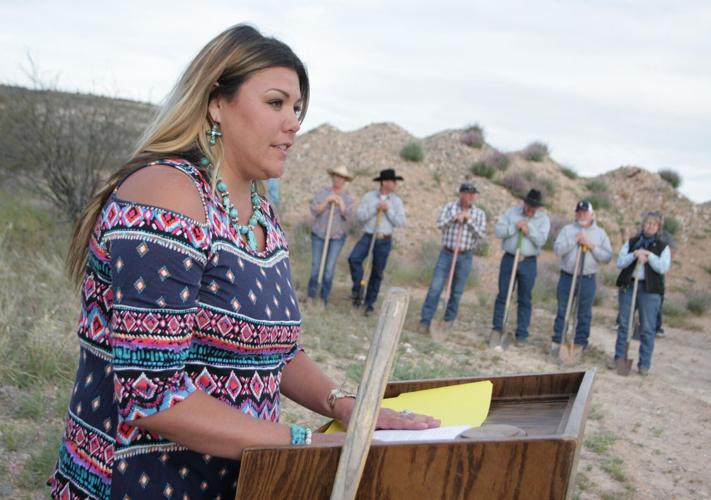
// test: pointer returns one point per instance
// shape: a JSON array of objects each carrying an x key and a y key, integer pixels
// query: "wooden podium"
[{"x": 551, "y": 408}]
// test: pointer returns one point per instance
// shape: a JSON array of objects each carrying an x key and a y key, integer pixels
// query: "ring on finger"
[{"x": 406, "y": 413}]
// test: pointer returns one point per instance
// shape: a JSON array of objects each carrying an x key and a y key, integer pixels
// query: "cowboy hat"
[
  {"x": 340, "y": 171},
  {"x": 388, "y": 175}
]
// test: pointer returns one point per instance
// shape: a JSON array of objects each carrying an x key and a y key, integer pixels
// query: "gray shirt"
[
  {"x": 565, "y": 247},
  {"x": 392, "y": 218},
  {"x": 340, "y": 221},
  {"x": 538, "y": 228}
]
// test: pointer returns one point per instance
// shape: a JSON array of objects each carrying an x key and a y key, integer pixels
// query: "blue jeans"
[
  {"x": 334, "y": 248},
  {"x": 648, "y": 305},
  {"x": 381, "y": 250},
  {"x": 462, "y": 268},
  {"x": 526, "y": 278},
  {"x": 585, "y": 302}
]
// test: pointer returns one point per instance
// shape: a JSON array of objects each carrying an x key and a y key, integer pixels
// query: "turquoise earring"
[{"x": 213, "y": 134}]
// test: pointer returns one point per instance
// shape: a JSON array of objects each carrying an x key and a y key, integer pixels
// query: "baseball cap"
[
  {"x": 468, "y": 187},
  {"x": 583, "y": 205}
]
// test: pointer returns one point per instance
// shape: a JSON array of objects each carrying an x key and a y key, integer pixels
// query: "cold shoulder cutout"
[{"x": 165, "y": 187}]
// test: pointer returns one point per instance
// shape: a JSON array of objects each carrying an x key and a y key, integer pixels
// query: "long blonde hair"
[{"x": 180, "y": 128}]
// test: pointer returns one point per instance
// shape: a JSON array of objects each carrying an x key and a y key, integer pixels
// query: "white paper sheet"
[{"x": 436, "y": 434}]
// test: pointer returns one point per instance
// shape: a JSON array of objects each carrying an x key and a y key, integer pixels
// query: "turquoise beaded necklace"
[{"x": 244, "y": 230}]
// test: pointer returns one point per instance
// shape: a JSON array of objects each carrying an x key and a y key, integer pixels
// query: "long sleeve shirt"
[
  {"x": 393, "y": 217},
  {"x": 660, "y": 263},
  {"x": 473, "y": 231},
  {"x": 566, "y": 244},
  {"x": 341, "y": 220},
  {"x": 538, "y": 228}
]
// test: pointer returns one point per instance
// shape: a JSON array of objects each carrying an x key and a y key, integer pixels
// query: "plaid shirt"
[{"x": 473, "y": 231}]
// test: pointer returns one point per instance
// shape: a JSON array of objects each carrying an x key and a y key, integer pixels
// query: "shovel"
[
  {"x": 624, "y": 365},
  {"x": 453, "y": 266},
  {"x": 569, "y": 351},
  {"x": 369, "y": 257},
  {"x": 325, "y": 245},
  {"x": 496, "y": 339}
]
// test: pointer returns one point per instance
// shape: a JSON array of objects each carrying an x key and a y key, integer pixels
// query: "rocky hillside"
[{"x": 622, "y": 194}]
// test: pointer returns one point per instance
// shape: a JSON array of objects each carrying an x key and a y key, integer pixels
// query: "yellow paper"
[{"x": 452, "y": 405}]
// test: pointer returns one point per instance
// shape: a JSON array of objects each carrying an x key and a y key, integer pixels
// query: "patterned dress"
[{"x": 170, "y": 306}]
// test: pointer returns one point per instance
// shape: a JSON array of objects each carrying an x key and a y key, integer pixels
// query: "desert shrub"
[
  {"x": 608, "y": 277},
  {"x": 544, "y": 291},
  {"x": 536, "y": 151},
  {"x": 515, "y": 183},
  {"x": 600, "y": 200},
  {"x": 482, "y": 249},
  {"x": 569, "y": 172},
  {"x": 473, "y": 136},
  {"x": 482, "y": 169},
  {"x": 596, "y": 186},
  {"x": 673, "y": 306},
  {"x": 671, "y": 225},
  {"x": 412, "y": 152},
  {"x": 543, "y": 184},
  {"x": 671, "y": 176},
  {"x": 499, "y": 160},
  {"x": 59, "y": 146},
  {"x": 547, "y": 188},
  {"x": 557, "y": 223},
  {"x": 698, "y": 301},
  {"x": 602, "y": 296}
]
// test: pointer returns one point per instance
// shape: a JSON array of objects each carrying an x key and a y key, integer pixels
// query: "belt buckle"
[{"x": 379, "y": 236}]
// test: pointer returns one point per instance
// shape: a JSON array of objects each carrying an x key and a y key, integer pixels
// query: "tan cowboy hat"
[{"x": 340, "y": 171}]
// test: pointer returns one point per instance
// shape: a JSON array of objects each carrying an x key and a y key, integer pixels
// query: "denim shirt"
[{"x": 538, "y": 228}]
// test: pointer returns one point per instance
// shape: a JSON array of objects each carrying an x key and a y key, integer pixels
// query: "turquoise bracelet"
[{"x": 300, "y": 435}]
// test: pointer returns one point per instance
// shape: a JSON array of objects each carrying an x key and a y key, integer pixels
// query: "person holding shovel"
[
  {"x": 381, "y": 211},
  {"x": 523, "y": 231},
  {"x": 592, "y": 240},
  {"x": 463, "y": 226},
  {"x": 331, "y": 212},
  {"x": 645, "y": 259}
]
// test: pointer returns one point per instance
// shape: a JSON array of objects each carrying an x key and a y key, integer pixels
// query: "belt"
[
  {"x": 452, "y": 250},
  {"x": 522, "y": 258},
  {"x": 380, "y": 236},
  {"x": 591, "y": 275}
]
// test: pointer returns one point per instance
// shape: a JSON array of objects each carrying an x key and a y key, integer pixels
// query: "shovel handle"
[{"x": 324, "y": 252}]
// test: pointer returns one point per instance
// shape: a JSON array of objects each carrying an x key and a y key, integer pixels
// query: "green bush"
[
  {"x": 596, "y": 185},
  {"x": 671, "y": 176},
  {"x": 671, "y": 225},
  {"x": 569, "y": 172},
  {"x": 412, "y": 152},
  {"x": 483, "y": 249},
  {"x": 536, "y": 151},
  {"x": 600, "y": 200},
  {"x": 673, "y": 306},
  {"x": 483, "y": 169},
  {"x": 698, "y": 301}
]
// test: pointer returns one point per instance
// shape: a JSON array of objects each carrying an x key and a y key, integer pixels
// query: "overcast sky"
[{"x": 604, "y": 83}]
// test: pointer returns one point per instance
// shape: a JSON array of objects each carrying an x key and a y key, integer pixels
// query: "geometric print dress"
[{"x": 170, "y": 305}]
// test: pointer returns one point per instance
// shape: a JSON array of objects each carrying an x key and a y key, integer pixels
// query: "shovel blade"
[
  {"x": 623, "y": 365},
  {"x": 569, "y": 354}
]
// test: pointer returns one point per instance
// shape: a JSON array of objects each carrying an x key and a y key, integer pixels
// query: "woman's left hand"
[
  {"x": 391, "y": 419},
  {"x": 387, "y": 418}
]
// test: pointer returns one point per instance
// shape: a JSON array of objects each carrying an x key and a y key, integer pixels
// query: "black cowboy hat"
[
  {"x": 533, "y": 198},
  {"x": 388, "y": 175},
  {"x": 468, "y": 187}
]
